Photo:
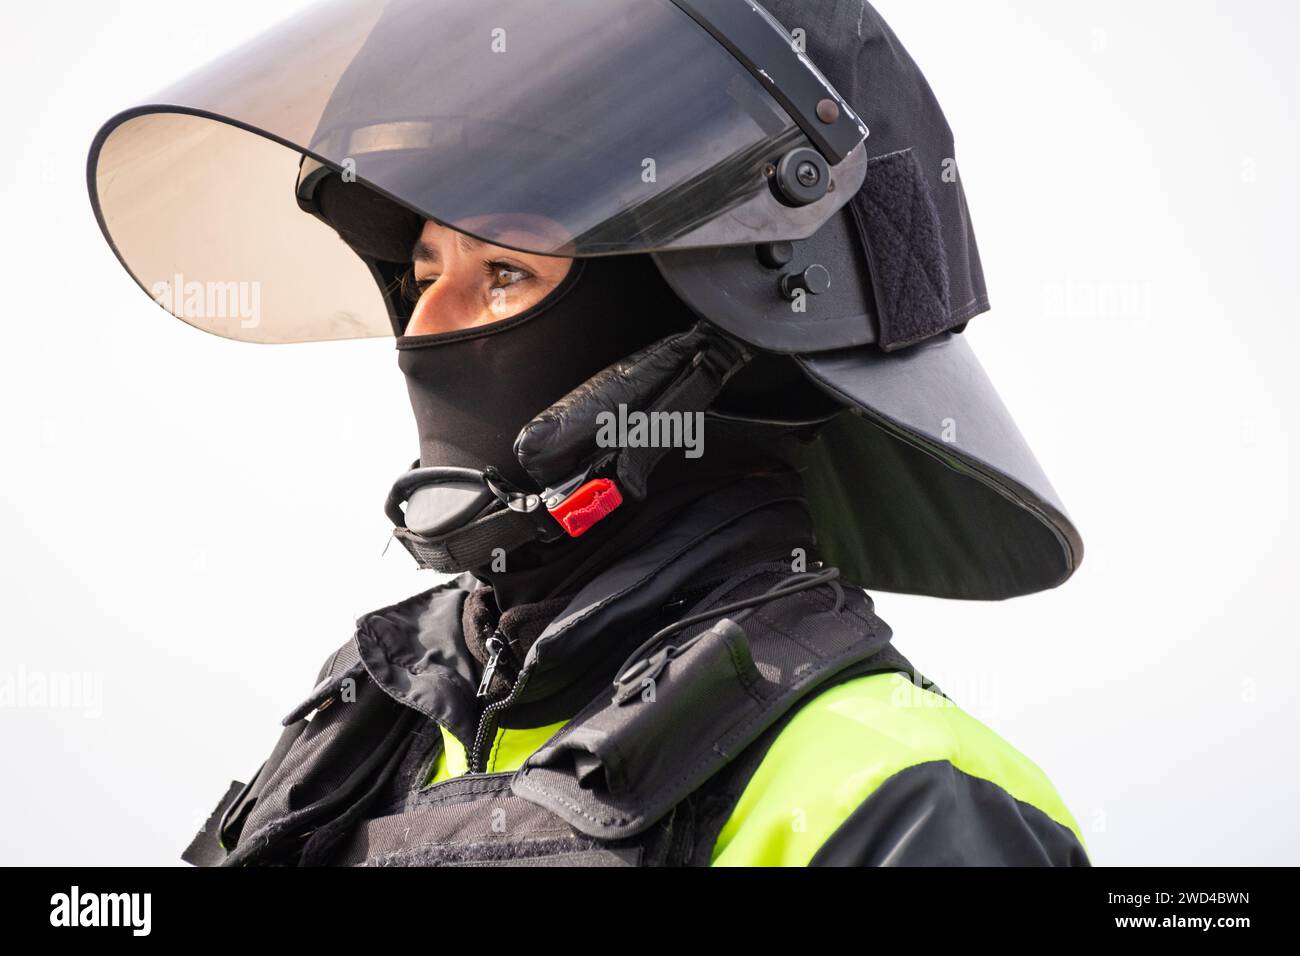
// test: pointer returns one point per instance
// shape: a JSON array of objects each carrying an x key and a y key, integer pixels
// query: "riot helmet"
[{"x": 783, "y": 167}]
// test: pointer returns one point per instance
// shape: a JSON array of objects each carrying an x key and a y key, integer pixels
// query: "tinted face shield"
[{"x": 589, "y": 127}]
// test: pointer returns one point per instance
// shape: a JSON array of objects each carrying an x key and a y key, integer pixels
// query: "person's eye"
[{"x": 504, "y": 275}]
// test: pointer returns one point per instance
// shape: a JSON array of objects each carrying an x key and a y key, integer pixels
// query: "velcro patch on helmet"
[{"x": 904, "y": 240}]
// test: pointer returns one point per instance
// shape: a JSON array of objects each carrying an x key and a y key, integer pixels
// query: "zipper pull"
[{"x": 496, "y": 646}]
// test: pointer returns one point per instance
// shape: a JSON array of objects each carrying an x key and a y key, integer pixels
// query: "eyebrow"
[{"x": 423, "y": 252}]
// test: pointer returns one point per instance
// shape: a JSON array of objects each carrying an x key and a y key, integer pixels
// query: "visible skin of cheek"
[{"x": 446, "y": 307}]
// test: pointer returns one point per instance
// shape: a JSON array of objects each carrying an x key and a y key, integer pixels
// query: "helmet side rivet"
[{"x": 828, "y": 111}]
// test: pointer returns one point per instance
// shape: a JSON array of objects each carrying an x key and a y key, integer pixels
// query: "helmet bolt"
[
  {"x": 808, "y": 174},
  {"x": 815, "y": 280}
]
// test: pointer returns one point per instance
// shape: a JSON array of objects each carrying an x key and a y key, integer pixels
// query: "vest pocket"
[{"x": 646, "y": 742}]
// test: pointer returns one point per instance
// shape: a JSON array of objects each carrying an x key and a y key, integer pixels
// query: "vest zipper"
[
  {"x": 499, "y": 655},
  {"x": 497, "y": 647},
  {"x": 487, "y": 724}
]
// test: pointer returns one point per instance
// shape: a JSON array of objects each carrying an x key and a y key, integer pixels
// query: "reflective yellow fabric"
[
  {"x": 845, "y": 743},
  {"x": 511, "y": 747}
]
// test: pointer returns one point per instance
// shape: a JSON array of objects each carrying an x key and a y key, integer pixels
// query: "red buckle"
[{"x": 588, "y": 504}]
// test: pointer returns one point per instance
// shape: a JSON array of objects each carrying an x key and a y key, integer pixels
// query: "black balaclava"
[{"x": 473, "y": 390}]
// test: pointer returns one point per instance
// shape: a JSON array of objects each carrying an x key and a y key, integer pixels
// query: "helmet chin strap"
[{"x": 458, "y": 519}]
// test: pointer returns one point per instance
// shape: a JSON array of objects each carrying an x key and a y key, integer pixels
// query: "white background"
[{"x": 196, "y": 523}]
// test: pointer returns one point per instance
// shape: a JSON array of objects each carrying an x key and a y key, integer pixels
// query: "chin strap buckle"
[{"x": 578, "y": 508}]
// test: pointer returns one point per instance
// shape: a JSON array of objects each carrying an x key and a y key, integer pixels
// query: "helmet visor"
[{"x": 581, "y": 128}]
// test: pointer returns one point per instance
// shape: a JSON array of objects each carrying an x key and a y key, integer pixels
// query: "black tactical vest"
[
  {"x": 646, "y": 773},
  {"x": 644, "y": 777}
]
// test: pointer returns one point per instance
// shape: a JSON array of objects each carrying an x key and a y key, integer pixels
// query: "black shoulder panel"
[{"x": 933, "y": 814}]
